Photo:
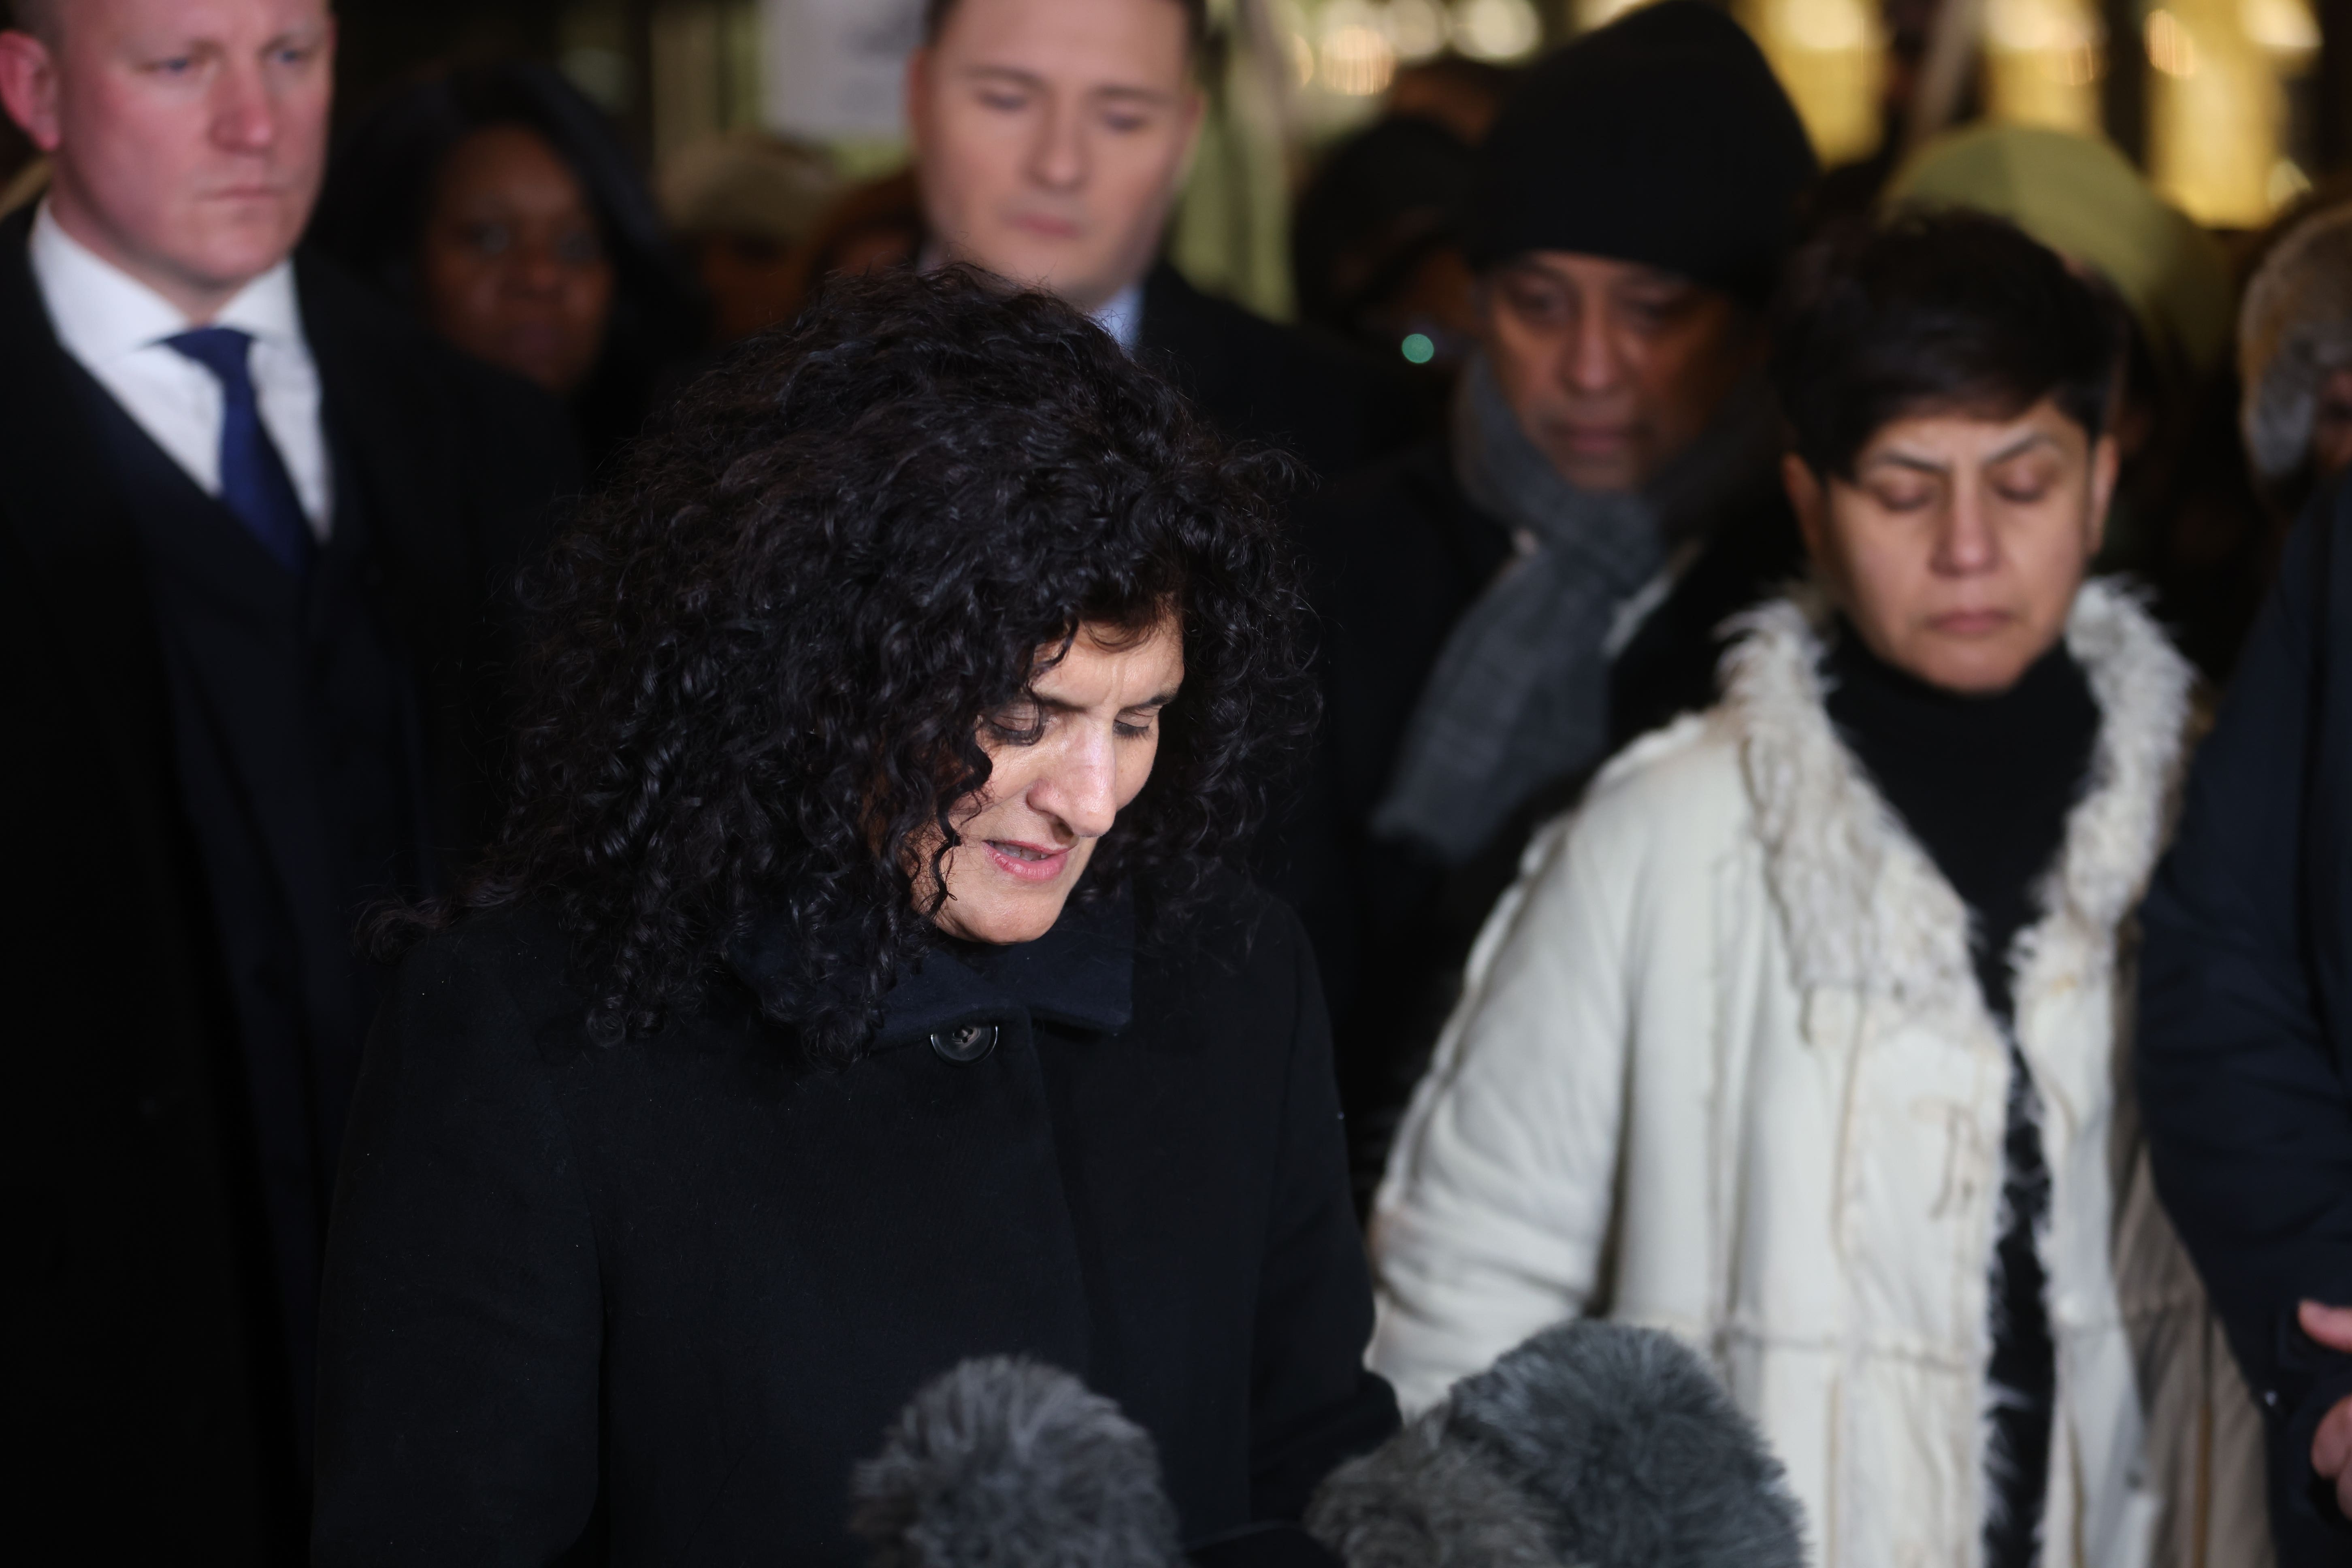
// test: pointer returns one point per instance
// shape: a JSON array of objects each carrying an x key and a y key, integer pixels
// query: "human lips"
[
  {"x": 1044, "y": 225},
  {"x": 1027, "y": 862},
  {"x": 1596, "y": 439},
  {"x": 1970, "y": 622},
  {"x": 536, "y": 340}
]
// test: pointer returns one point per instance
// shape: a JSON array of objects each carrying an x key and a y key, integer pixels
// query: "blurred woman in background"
[{"x": 496, "y": 203}]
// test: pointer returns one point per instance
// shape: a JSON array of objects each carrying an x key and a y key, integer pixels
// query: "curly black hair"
[{"x": 760, "y": 661}]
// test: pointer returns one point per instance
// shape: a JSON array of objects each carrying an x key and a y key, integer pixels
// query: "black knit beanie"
[{"x": 1661, "y": 138}]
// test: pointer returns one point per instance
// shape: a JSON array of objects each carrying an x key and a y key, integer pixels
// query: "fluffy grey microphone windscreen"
[
  {"x": 1592, "y": 1445},
  {"x": 1004, "y": 1461}
]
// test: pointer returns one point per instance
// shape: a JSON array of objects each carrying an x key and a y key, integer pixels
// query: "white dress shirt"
[
  {"x": 115, "y": 326},
  {"x": 1122, "y": 316}
]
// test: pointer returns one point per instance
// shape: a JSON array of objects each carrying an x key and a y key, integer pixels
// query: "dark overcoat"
[
  {"x": 648, "y": 1303},
  {"x": 2244, "y": 1045},
  {"x": 1314, "y": 397},
  {"x": 144, "y": 1368},
  {"x": 1396, "y": 555}
]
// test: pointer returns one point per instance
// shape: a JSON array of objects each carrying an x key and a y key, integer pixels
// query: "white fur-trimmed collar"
[{"x": 1863, "y": 907}]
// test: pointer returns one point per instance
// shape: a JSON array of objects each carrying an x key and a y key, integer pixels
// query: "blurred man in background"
[
  {"x": 251, "y": 530},
  {"x": 1051, "y": 137},
  {"x": 1503, "y": 605}
]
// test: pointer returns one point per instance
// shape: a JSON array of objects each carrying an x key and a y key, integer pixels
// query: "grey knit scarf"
[{"x": 1519, "y": 695}]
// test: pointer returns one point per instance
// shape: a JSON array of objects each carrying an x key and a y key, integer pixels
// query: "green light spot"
[{"x": 1417, "y": 348}]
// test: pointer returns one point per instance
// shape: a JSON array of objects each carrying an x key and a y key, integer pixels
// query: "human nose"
[
  {"x": 245, "y": 115},
  {"x": 1081, "y": 788},
  {"x": 1057, "y": 160},
  {"x": 1590, "y": 360},
  {"x": 1965, "y": 540},
  {"x": 537, "y": 269}
]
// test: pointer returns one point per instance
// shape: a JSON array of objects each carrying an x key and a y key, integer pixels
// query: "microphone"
[
  {"x": 1005, "y": 1461},
  {"x": 1593, "y": 1444}
]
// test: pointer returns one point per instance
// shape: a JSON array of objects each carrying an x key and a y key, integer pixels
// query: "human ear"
[
  {"x": 28, "y": 86},
  {"x": 1809, "y": 501},
  {"x": 2107, "y": 461}
]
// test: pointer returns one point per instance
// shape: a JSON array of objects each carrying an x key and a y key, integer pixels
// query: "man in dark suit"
[
  {"x": 253, "y": 532},
  {"x": 1050, "y": 139}
]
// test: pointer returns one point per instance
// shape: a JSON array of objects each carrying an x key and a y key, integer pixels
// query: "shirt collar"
[
  {"x": 1122, "y": 316},
  {"x": 1079, "y": 975},
  {"x": 102, "y": 313}
]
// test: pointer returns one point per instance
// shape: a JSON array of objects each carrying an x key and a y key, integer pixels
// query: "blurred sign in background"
[{"x": 834, "y": 69}]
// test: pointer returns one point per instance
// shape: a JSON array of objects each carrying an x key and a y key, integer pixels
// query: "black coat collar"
[{"x": 1080, "y": 975}]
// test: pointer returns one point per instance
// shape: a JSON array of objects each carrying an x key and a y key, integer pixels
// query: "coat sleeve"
[
  {"x": 2249, "y": 1128},
  {"x": 1313, "y": 1403},
  {"x": 1491, "y": 1221},
  {"x": 461, "y": 1325}
]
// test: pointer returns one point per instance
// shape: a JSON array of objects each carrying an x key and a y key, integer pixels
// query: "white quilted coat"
[{"x": 1722, "y": 1067}]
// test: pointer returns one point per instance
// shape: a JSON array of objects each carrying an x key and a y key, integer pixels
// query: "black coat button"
[{"x": 964, "y": 1046}]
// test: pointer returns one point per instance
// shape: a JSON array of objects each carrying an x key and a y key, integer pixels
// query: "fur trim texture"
[
  {"x": 1862, "y": 904},
  {"x": 1626, "y": 1436},
  {"x": 1002, "y": 1459},
  {"x": 1594, "y": 1444},
  {"x": 1420, "y": 1501}
]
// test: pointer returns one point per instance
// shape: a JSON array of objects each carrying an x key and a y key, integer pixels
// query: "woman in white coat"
[{"x": 1801, "y": 1038}]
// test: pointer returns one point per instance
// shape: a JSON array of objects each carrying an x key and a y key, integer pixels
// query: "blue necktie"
[{"x": 254, "y": 482}]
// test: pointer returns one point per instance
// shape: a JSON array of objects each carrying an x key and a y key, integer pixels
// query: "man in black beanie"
[{"x": 1505, "y": 606}]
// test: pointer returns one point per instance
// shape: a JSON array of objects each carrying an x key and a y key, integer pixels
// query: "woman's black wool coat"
[{"x": 650, "y": 1303}]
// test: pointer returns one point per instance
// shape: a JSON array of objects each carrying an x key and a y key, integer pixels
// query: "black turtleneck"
[{"x": 1985, "y": 784}]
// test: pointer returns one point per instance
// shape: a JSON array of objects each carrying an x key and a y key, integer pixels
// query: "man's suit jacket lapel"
[{"x": 380, "y": 417}]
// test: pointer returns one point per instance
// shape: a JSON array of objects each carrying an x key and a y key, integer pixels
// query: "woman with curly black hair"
[{"x": 861, "y": 981}]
